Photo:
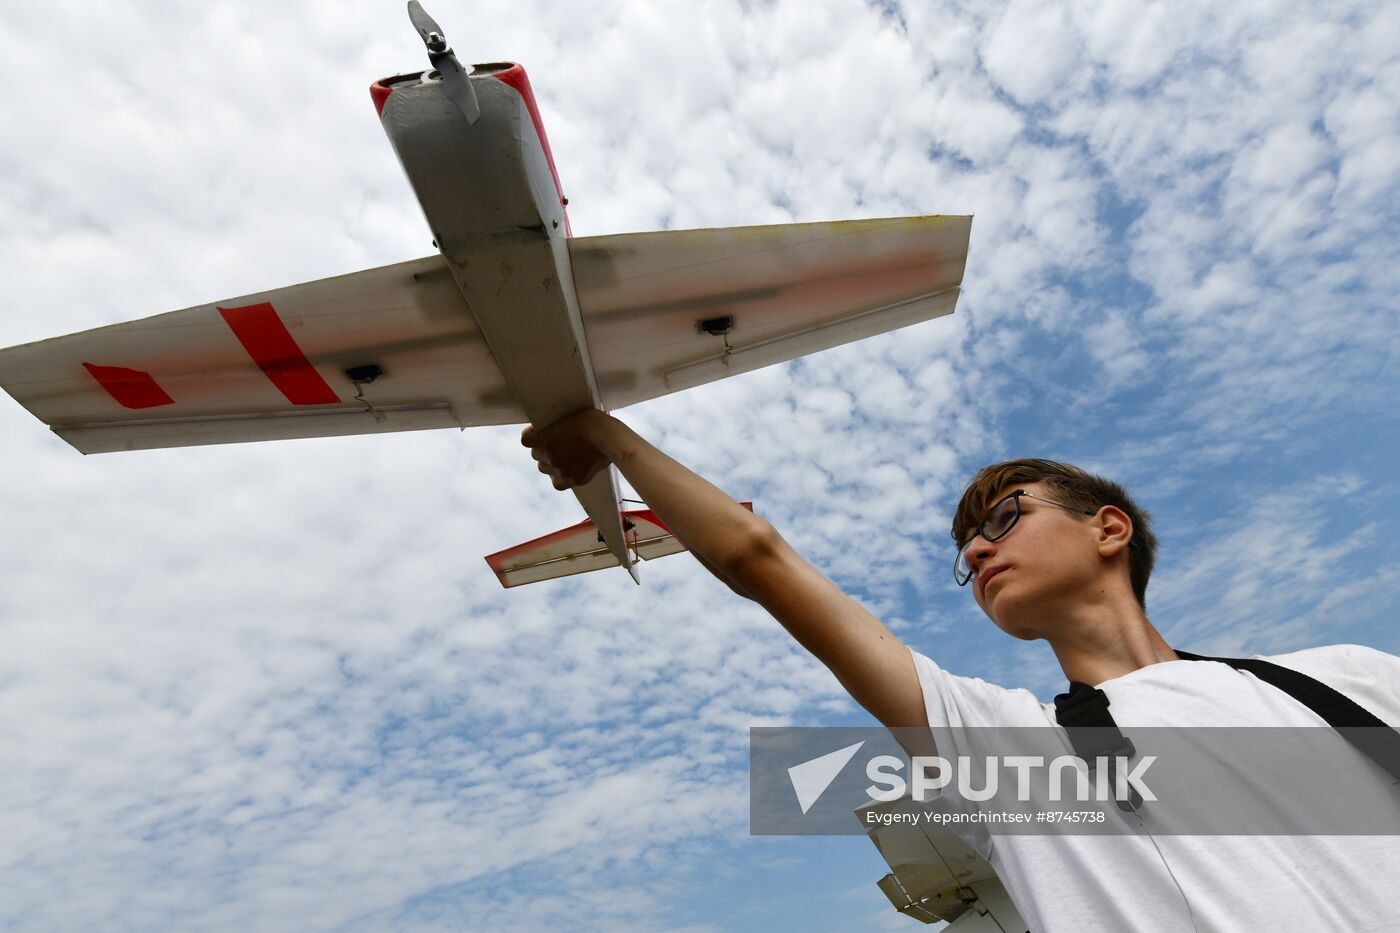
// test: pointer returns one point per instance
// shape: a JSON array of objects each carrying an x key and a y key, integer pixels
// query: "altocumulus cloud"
[{"x": 276, "y": 686}]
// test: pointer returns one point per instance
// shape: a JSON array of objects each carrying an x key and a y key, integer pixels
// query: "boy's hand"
[{"x": 568, "y": 450}]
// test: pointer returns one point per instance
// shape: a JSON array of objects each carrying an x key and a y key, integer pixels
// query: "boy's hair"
[{"x": 1070, "y": 485}]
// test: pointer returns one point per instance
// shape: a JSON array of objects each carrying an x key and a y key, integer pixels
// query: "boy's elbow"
[{"x": 756, "y": 547}]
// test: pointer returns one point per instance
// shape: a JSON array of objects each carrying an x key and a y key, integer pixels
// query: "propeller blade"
[
  {"x": 457, "y": 85},
  {"x": 456, "y": 80},
  {"x": 427, "y": 27}
]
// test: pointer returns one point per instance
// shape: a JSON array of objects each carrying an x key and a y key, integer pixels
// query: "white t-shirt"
[{"x": 1232, "y": 883}]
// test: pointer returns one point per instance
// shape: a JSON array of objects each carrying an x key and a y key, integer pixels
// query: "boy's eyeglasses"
[{"x": 1000, "y": 520}]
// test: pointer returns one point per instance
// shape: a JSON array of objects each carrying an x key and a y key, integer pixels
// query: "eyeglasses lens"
[
  {"x": 1003, "y": 516},
  {"x": 1001, "y": 519}
]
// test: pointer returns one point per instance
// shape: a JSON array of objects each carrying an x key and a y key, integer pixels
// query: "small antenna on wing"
[
  {"x": 361, "y": 376},
  {"x": 456, "y": 80}
]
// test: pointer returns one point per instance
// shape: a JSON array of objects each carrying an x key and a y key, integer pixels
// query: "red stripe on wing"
[
  {"x": 271, "y": 346},
  {"x": 131, "y": 388}
]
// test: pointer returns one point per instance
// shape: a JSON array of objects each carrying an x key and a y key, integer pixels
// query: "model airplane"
[{"x": 515, "y": 320}]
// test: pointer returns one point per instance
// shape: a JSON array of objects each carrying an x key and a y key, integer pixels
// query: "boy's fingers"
[{"x": 527, "y": 436}]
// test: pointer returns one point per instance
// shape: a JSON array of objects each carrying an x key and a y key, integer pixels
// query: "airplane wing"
[
  {"x": 397, "y": 349},
  {"x": 579, "y": 549},
  {"x": 281, "y": 364},
  {"x": 674, "y": 309},
  {"x": 662, "y": 311}
]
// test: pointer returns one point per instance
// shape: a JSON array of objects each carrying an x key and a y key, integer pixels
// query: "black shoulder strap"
[
  {"x": 1337, "y": 709},
  {"x": 1088, "y": 706},
  {"x": 1093, "y": 733},
  {"x": 1358, "y": 725}
]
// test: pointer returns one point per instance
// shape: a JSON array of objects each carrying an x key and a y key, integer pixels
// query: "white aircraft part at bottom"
[{"x": 940, "y": 878}]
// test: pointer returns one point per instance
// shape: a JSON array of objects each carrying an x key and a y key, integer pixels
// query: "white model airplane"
[{"x": 515, "y": 321}]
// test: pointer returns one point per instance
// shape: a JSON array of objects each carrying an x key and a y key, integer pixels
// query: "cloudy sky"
[{"x": 275, "y": 686}]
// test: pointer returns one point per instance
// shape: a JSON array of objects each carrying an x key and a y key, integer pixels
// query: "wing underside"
[
  {"x": 396, "y": 348},
  {"x": 387, "y": 349},
  {"x": 669, "y": 310}
]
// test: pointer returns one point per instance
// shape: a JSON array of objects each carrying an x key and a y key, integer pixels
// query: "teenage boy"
[{"x": 1050, "y": 552}]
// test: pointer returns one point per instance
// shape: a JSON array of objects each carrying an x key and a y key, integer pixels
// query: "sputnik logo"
[{"x": 811, "y": 778}]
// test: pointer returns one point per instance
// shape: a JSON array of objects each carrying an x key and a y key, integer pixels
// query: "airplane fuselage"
[{"x": 492, "y": 199}]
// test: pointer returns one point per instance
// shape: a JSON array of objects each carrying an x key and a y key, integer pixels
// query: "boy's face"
[{"x": 1048, "y": 563}]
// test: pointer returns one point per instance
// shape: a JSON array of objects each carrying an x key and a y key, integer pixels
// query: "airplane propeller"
[{"x": 456, "y": 83}]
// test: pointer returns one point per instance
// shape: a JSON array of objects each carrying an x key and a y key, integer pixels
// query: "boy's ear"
[{"x": 1115, "y": 530}]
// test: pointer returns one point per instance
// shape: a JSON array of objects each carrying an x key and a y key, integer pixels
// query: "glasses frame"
[{"x": 981, "y": 529}]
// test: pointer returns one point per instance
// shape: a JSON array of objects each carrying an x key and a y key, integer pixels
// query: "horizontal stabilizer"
[{"x": 578, "y": 549}]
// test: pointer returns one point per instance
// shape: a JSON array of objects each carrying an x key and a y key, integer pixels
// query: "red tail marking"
[
  {"x": 267, "y": 341},
  {"x": 131, "y": 388}
]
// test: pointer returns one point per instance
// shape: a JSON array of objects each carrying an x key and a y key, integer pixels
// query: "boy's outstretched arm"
[{"x": 747, "y": 554}]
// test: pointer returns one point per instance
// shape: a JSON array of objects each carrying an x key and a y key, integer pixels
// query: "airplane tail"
[
  {"x": 602, "y": 503},
  {"x": 581, "y": 548}
]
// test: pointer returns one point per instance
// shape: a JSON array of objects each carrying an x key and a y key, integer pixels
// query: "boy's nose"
[{"x": 978, "y": 550}]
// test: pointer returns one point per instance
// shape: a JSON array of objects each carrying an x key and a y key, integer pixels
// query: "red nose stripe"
[
  {"x": 267, "y": 341},
  {"x": 131, "y": 388},
  {"x": 380, "y": 93},
  {"x": 515, "y": 77}
]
